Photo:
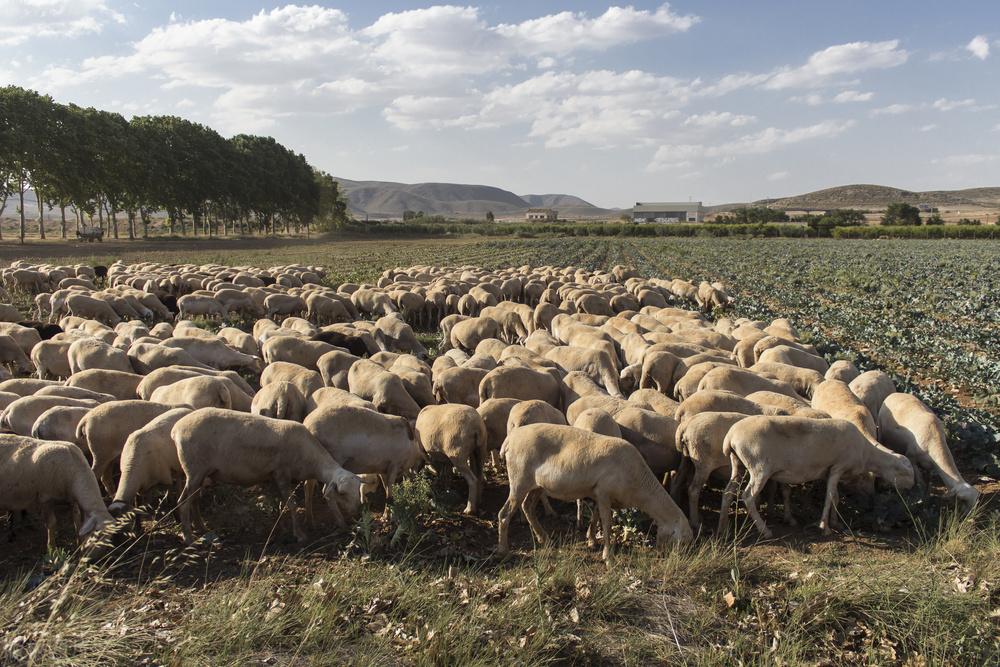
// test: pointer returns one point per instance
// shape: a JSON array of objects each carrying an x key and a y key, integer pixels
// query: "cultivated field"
[{"x": 919, "y": 586}]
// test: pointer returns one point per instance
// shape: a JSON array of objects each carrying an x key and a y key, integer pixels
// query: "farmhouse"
[
  {"x": 667, "y": 211},
  {"x": 541, "y": 215}
]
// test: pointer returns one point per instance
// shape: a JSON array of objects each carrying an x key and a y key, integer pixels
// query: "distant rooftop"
[{"x": 654, "y": 206}]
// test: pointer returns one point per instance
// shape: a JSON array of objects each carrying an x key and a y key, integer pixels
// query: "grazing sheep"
[
  {"x": 331, "y": 396},
  {"x": 227, "y": 447},
  {"x": 74, "y": 392},
  {"x": 373, "y": 383},
  {"x": 38, "y": 474},
  {"x": 595, "y": 363},
  {"x": 495, "y": 412},
  {"x": 214, "y": 353},
  {"x": 650, "y": 399},
  {"x": 25, "y": 337},
  {"x": 803, "y": 380},
  {"x": 521, "y": 383},
  {"x": 456, "y": 434},
  {"x": 306, "y": 353},
  {"x": 598, "y": 421},
  {"x": 873, "y": 387},
  {"x": 13, "y": 357},
  {"x": 743, "y": 382},
  {"x": 796, "y": 450},
  {"x": 104, "y": 429},
  {"x": 459, "y": 385},
  {"x": 148, "y": 357},
  {"x": 148, "y": 459},
  {"x": 716, "y": 401},
  {"x": 122, "y": 385},
  {"x": 837, "y": 400},
  {"x": 367, "y": 443},
  {"x": 793, "y": 356},
  {"x": 202, "y": 391},
  {"x": 20, "y": 415},
  {"x": 279, "y": 400},
  {"x": 51, "y": 359},
  {"x": 842, "y": 370},
  {"x": 26, "y": 386},
  {"x": 571, "y": 464},
  {"x": 88, "y": 353},
  {"x": 87, "y": 307},
  {"x": 534, "y": 412},
  {"x": 699, "y": 440},
  {"x": 58, "y": 423},
  {"x": 908, "y": 426}
]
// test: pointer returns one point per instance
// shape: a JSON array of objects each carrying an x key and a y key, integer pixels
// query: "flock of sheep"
[{"x": 564, "y": 378}]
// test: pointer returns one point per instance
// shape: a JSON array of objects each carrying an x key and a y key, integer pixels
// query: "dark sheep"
[
  {"x": 44, "y": 329},
  {"x": 267, "y": 280},
  {"x": 170, "y": 301},
  {"x": 352, "y": 344}
]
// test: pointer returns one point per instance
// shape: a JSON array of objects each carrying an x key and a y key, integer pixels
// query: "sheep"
[
  {"x": 716, "y": 401},
  {"x": 456, "y": 434},
  {"x": 26, "y": 386},
  {"x": 417, "y": 384},
  {"x": 394, "y": 334},
  {"x": 652, "y": 434},
  {"x": 306, "y": 380},
  {"x": 239, "y": 391},
  {"x": 148, "y": 459},
  {"x": 650, "y": 399},
  {"x": 88, "y": 307},
  {"x": 194, "y": 305},
  {"x": 872, "y": 387},
  {"x": 842, "y": 370},
  {"x": 595, "y": 363},
  {"x": 909, "y": 427},
  {"x": 25, "y": 337},
  {"x": 214, "y": 353},
  {"x": 105, "y": 428},
  {"x": 13, "y": 357},
  {"x": 202, "y": 391},
  {"x": 571, "y": 464},
  {"x": 38, "y": 474},
  {"x": 332, "y": 396},
  {"x": 786, "y": 354},
  {"x": 837, "y": 400},
  {"x": 598, "y": 421},
  {"x": 89, "y": 353},
  {"x": 366, "y": 442},
  {"x": 458, "y": 385},
  {"x": 699, "y": 440},
  {"x": 657, "y": 370},
  {"x": 20, "y": 416},
  {"x": 234, "y": 448},
  {"x": 371, "y": 382},
  {"x": 467, "y": 334},
  {"x": 284, "y": 305},
  {"x": 495, "y": 412},
  {"x": 306, "y": 353},
  {"x": 122, "y": 385},
  {"x": 534, "y": 412},
  {"x": 796, "y": 450},
  {"x": 58, "y": 423},
  {"x": 743, "y": 381},
  {"x": 280, "y": 400},
  {"x": 74, "y": 392},
  {"x": 521, "y": 383},
  {"x": 148, "y": 357}
]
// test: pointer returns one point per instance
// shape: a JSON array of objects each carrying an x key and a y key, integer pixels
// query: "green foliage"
[
  {"x": 934, "y": 219},
  {"x": 960, "y": 231},
  {"x": 900, "y": 213},
  {"x": 823, "y": 224},
  {"x": 99, "y": 164},
  {"x": 411, "y": 499},
  {"x": 490, "y": 217},
  {"x": 438, "y": 225},
  {"x": 751, "y": 215},
  {"x": 970, "y": 221}
]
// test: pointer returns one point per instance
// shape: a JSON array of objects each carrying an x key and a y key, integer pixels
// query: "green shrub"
[{"x": 924, "y": 232}]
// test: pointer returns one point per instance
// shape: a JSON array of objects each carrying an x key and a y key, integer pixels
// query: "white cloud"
[
  {"x": 813, "y": 99},
  {"x": 185, "y": 103},
  {"x": 568, "y": 31},
  {"x": 719, "y": 119},
  {"x": 929, "y": 127},
  {"x": 825, "y": 65},
  {"x": 778, "y": 176},
  {"x": 996, "y": 128},
  {"x": 944, "y": 104},
  {"x": 765, "y": 141},
  {"x": 979, "y": 47},
  {"x": 852, "y": 96},
  {"x": 892, "y": 110},
  {"x": 33, "y": 19}
]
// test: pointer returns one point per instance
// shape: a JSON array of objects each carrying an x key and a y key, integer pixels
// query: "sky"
[{"x": 730, "y": 100}]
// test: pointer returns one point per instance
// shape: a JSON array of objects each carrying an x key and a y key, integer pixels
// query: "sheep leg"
[
  {"x": 51, "y": 526},
  {"x": 832, "y": 498},
  {"x": 579, "y": 514},
  {"x": 604, "y": 508},
  {"x": 465, "y": 471},
  {"x": 592, "y": 530},
  {"x": 786, "y": 505},
  {"x": 309, "y": 492},
  {"x": 547, "y": 506},
  {"x": 729, "y": 494},
  {"x": 680, "y": 477},
  {"x": 528, "y": 506},
  {"x": 694, "y": 488},
  {"x": 750, "y": 496},
  {"x": 191, "y": 486},
  {"x": 388, "y": 480},
  {"x": 514, "y": 501},
  {"x": 286, "y": 491}
]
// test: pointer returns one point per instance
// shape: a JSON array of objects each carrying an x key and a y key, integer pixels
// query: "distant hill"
[
  {"x": 878, "y": 196},
  {"x": 384, "y": 199}
]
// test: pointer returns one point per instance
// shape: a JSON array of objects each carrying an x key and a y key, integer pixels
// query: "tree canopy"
[{"x": 96, "y": 163}]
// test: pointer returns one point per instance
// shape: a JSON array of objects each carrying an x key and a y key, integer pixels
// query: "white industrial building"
[{"x": 667, "y": 211}]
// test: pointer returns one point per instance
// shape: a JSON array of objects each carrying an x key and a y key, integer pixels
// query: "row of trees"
[
  {"x": 97, "y": 168},
  {"x": 751, "y": 215}
]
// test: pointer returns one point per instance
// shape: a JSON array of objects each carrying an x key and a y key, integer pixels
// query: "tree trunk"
[
  {"x": 131, "y": 224},
  {"x": 145, "y": 223},
  {"x": 100, "y": 214},
  {"x": 3, "y": 207},
  {"x": 113, "y": 219},
  {"x": 20, "y": 189},
  {"x": 195, "y": 217},
  {"x": 41, "y": 214},
  {"x": 62, "y": 218},
  {"x": 171, "y": 214}
]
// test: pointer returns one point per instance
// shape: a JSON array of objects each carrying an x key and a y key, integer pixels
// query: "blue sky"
[{"x": 717, "y": 101}]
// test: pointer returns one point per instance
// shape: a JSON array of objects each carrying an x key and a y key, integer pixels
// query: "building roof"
[
  {"x": 541, "y": 210},
  {"x": 656, "y": 206}
]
